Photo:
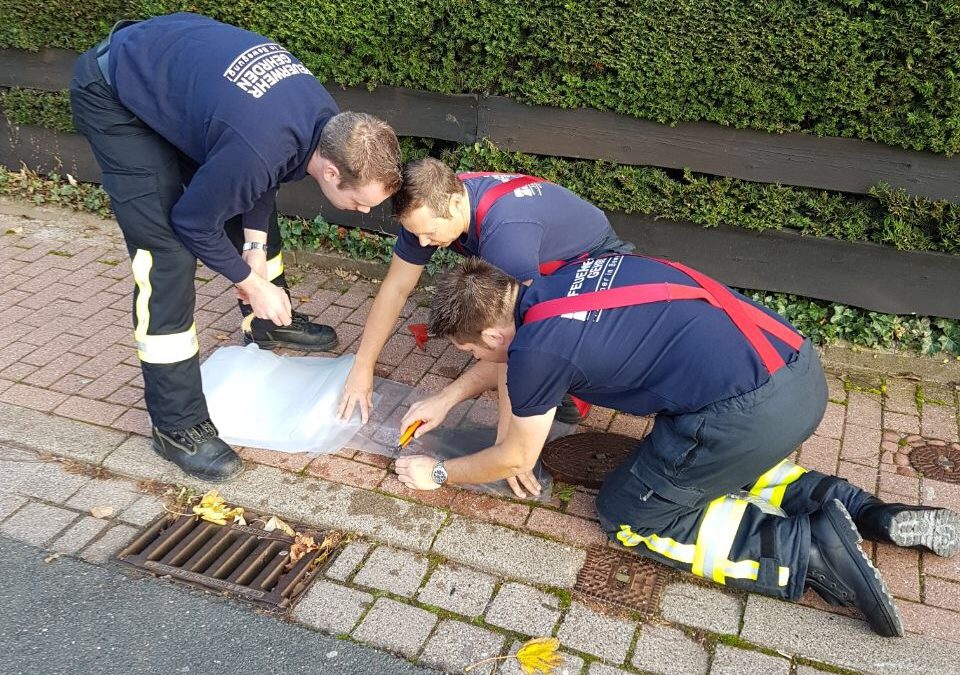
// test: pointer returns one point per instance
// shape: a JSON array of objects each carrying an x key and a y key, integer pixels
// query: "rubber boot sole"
[
  {"x": 937, "y": 531},
  {"x": 204, "y": 477},
  {"x": 270, "y": 345},
  {"x": 870, "y": 573}
]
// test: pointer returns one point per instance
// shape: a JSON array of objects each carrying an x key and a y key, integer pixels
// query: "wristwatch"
[
  {"x": 250, "y": 245},
  {"x": 439, "y": 473}
]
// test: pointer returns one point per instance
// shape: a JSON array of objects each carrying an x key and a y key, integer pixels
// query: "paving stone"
[
  {"x": 572, "y": 665},
  {"x": 25, "y": 473},
  {"x": 842, "y": 641},
  {"x": 598, "y": 668},
  {"x": 347, "y": 560},
  {"x": 908, "y": 424},
  {"x": 508, "y": 553},
  {"x": 931, "y": 622},
  {"x": 940, "y": 421},
  {"x": 331, "y": 607},
  {"x": 10, "y": 503},
  {"x": 389, "y": 569},
  {"x": 900, "y": 569},
  {"x": 941, "y": 593},
  {"x": 524, "y": 609},
  {"x": 395, "y": 627},
  {"x": 863, "y": 409},
  {"x": 455, "y": 645},
  {"x": 588, "y": 631},
  {"x": 686, "y": 656},
  {"x": 485, "y": 507},
  {"x": 112, "y": 541},
  {"x": 37, "y": 523},
  {"x": 298, "y": 498},
  {"x": 732, "y": 661},
  {"x": 831, "y": 426},
  {"x": 458, "y": 589},
  {"x": 809, "y": 670},
  {"x": 861, "y": 445},
  {"x": 143, "y": 511},
  {"x": 115, "y": 492},
  {"x": 701, "y": 607},
  {"x": 56, "y": 435},
  {"x": 576, "y": 531},
  {"x": 79, "y": 534}
]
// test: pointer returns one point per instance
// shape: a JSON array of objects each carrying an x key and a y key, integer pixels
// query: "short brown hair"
[
  {"x": 364, "y": 149},
  {"x": 470, "y": 299},
  {"x": 426, "y": 182}
]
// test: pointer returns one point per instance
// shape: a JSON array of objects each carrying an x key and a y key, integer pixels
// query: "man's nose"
[
  {"x": 363, "y": 209},
  {"x": 424, "y": 240}
]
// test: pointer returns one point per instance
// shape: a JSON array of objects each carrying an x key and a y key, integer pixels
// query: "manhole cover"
[
  {"x": 622, "y": 579},
  {"x": 239, "y": 560},
  {"x": 586, "y": 459},
  {"x": 937, "y": 460}
]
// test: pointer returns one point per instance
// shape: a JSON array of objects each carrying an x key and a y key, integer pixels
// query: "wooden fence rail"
[
  {"x": 864, "y": 275},
  {"x": 842, "y": 164}
]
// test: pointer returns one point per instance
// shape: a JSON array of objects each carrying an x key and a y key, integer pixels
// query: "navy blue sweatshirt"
[{"x": 240, "y": 106}]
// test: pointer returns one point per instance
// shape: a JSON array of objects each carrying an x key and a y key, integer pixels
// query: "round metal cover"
[
  {"x": 939, "y": 462},
  {"x": 586, "y": 459}
]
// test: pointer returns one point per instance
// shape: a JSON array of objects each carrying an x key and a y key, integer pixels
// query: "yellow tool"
[{"x": 407, "y": 435}]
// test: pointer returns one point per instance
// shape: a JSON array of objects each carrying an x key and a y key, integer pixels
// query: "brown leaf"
[{"x": 101, "y": 511}]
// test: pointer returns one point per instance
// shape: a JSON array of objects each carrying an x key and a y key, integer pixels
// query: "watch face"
[{"x": 439, "y": 474}]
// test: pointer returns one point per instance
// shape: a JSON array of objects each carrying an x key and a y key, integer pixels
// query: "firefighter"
[
  {"x": 735, "y": 390},
  {"x": 524, "y": 225},
  {"x": 195, "y": 124}
]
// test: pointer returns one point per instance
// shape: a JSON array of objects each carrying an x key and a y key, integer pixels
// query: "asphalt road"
[{"x": 68, "y": 616}]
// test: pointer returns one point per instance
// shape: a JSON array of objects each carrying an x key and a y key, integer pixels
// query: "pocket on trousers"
[
  {"x": 689, "y": 439},
  {"x": 125, "y": 187}
]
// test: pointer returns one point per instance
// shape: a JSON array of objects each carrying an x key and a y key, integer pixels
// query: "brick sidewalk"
[{"x": 65, "y": 324}]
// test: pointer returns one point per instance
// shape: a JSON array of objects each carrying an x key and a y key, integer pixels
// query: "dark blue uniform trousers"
[
  {"x": 713, "y": 493},
  {"x": 144, "y": 176}
]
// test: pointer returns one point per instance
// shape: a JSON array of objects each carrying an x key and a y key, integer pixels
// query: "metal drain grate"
[
  {"x": 936, "y": 459},
  {"x": 586, "y": 459},
  {"x": 621, "y": 579},
  {"x": 239, "y": 560}
]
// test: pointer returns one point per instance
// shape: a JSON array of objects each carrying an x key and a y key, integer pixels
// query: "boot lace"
[{"x": 201, "y": 432}]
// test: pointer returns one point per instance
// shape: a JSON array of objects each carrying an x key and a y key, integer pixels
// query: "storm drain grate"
[
  {"x": 238, "y": 560},
  {"x": 621, "y": 579},
  {"x": 586, "y": 459},
  {"x": 936, "y": 459}
]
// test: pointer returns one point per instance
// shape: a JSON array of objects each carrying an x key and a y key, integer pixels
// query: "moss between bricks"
[{"x": 823, "y": 322}]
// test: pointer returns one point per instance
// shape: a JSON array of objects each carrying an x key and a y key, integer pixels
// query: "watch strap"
[{"x": 250, "y": 245}]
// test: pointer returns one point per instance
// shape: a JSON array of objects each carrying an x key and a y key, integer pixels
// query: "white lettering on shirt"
[{"x": 259, "y": 68}]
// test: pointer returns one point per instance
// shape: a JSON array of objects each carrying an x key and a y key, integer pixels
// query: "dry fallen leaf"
[
  {"x": 301, "y": 546},
  {"x": 71, "y": 180},
  {"x": 213, "y": 509},
  {"x": 101, "y": 511},
  {"x": 15, "y": 230},
  {"x": 539, "y": 655},
  {"x": 276, "y": 524}
]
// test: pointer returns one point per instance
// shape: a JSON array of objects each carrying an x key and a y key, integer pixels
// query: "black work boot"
[
  {"x": 568, "y": 412},
  {"x": 199, "y": 451},
  {"x": 843, "y": 575},
  {"x": 925, "y": 528},
  {"x": 300, "y": 334}
]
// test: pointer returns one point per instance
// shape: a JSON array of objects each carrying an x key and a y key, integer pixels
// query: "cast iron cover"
[
  {"x": 622, "y": 579},
  {"x": 938, "y": 460},
  {"x": 241, "y": 561},
  {"x": 586, "y": 459}
]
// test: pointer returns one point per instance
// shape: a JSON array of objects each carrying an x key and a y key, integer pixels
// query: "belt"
[{"x": 103, "y": 49}]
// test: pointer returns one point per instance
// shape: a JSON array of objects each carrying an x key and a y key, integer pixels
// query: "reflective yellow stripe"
[
  {"x": 784, "y": 575},
  {"x": 750, "y": 569},
  {"x": 715, "y": 539},
  {"x": 668, "y": 548},
  {"x": 275, "y": 267},
  {"x": 772, "y": 485},
  {"x": 141, "y": 265},
  {"x": 156, "y": 348}
]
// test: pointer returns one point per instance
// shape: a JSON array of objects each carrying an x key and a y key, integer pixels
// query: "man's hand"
[
  {"x": 416, "y": 471},
  {"x": 358, "y": 390},
  {"x": 257, "y": 259},
  {"x": 527, "y": 480},
  {"x": 432, "y": 411},
  {"x": 268, "y": 301}
]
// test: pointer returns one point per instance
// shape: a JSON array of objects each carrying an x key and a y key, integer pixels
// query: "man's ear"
[
  {"x": 331, "y": 173},
  {"x": 493, "y": 337}
]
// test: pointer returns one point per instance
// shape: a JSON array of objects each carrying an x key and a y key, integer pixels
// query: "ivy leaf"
[{"x": 539, "y": 655}]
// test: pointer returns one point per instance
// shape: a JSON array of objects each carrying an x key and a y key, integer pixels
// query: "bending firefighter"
[
  {"x": 526, "y": 226},
  {"x": 195, "y": 124},
  {"x": 735, "y": 390}
]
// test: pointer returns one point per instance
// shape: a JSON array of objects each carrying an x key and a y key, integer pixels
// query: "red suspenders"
[
  {"x": 498, "y": 191},
  {"x": 750, "y": 320}
]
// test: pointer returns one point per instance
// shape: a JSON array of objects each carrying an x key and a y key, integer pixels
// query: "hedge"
[
  {"x": 823, "y": 322},
  {"x": 884, "y": 70},
  {"x": 890, "y": 217}
]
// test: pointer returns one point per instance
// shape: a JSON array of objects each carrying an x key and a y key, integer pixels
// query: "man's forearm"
[
  {"x": 379, "y": 327},
  {"x": 495, "y": 463}
]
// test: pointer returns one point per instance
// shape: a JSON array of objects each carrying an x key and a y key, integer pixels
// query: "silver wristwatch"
[
  {"x": 250, "y": 245},
  {"x": 439, "y": 473}
]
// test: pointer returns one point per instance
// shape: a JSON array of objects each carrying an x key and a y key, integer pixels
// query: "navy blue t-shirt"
[
  {"x": 240, "y": 106},
  {"x": 666, "y": 357},
  {"x": 537, "y": 223}
]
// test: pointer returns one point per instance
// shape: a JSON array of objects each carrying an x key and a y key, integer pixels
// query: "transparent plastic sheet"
[
  {"x": 261, "y": 400},
  {"x": 288, "y": 403}
]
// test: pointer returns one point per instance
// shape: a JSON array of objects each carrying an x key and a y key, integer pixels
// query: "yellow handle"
[{"x": 407, "y": 435}]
